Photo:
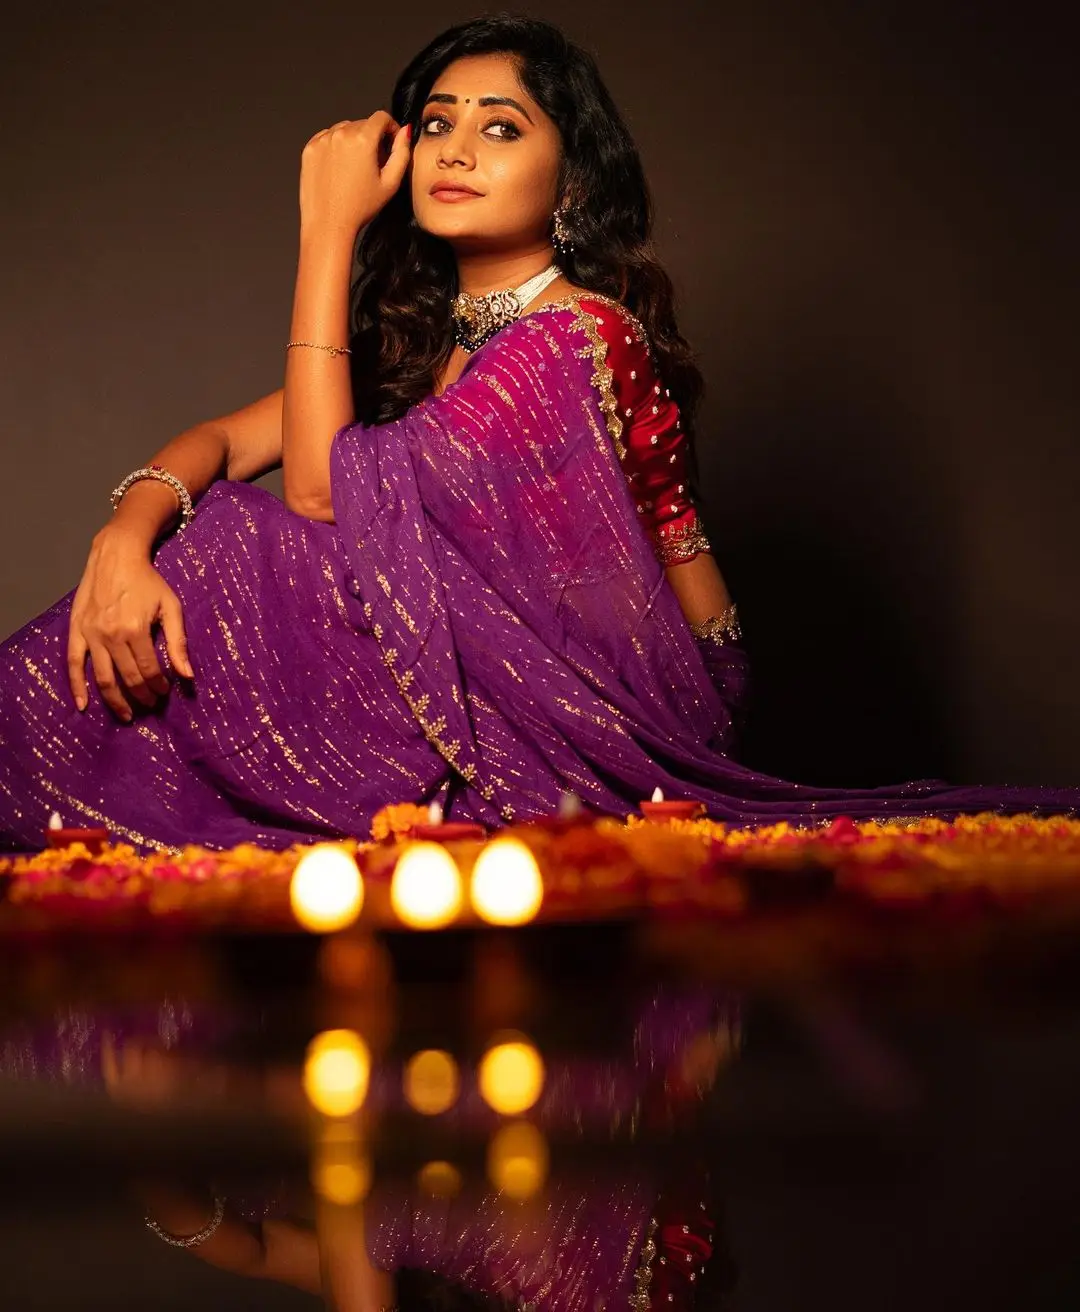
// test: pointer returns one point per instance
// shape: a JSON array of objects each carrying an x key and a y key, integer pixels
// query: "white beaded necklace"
[{"x": 476, "y": 318}]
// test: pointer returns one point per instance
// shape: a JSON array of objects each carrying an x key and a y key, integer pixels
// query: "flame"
[
  {"x": 425, "y": 891},
  {"x": 506, "y": 887},
  {"x": 326, "y": 891}
]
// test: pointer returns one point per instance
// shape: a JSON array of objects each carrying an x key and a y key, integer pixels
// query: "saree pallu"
[
  {"x": 486, "y": 623},
  {"x": 524, "y": 615}
]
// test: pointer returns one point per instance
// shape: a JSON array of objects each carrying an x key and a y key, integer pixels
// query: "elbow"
[
  {"x": 308, "y": 497},
  {"x": 317, "y": 508}
]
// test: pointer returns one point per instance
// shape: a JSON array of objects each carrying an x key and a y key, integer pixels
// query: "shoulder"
[
  {"x": 615, "y": 323},
  {"x": 602, "y": 330},
  {"x": 614, "y": 337},
  {"x": 601, "y": 316}
]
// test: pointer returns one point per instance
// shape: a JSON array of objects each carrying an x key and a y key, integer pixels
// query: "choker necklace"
[{"x": 476, "y": 318}]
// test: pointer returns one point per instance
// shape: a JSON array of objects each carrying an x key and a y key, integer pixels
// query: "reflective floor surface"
[{"x": 497, "y": 1119}]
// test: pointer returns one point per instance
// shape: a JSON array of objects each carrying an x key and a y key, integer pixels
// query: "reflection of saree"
[
  {"x": 596, "y": 1233},
  {"x": 486, "y": 623}
]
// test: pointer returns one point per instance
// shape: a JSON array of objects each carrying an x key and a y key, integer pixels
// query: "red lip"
[{"x": 454, "y": 186}]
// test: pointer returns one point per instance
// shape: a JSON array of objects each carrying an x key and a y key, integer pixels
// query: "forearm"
[
  {"x": 234, "y": 1245},
  {"x": 197, "y": 457},
  {"x": 273, "y": 1250},
  {"x": 318, "y": 390},
  {"x": 700, "y": 588}
]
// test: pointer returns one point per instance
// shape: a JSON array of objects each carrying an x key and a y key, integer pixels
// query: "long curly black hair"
[{"x": 401, "y": 321}]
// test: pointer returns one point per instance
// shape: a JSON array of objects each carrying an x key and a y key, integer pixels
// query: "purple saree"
[{"x": 485, "y": 623}]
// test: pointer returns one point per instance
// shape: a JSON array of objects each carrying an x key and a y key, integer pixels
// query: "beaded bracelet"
[
  {"x": 317, "y": 346},
  {"x": 719, "y": 627},
  {"x": 187, "y": 509},
  {"x": 190, "y": 1241}
]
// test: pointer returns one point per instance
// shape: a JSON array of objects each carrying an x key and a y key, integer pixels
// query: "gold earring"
[{"x": 560, "y": 233}]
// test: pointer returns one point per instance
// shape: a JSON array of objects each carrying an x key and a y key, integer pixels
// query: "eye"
[
  {"x": 431, "y": 118},
  {"x": 501, "y": 129},
  {"x": 510, "y": 130}
]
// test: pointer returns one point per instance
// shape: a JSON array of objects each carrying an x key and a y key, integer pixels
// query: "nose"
[{"x": 453, "y": 149}]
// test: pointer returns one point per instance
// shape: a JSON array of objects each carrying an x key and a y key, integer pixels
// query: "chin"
[{"x": 444, "y": 220}]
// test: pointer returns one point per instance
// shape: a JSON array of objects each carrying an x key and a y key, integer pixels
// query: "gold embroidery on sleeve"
[
  {"x": 603, "y": 379},
  {"x": 639, "y": 1300},
  {"x": 680, "y": 543}
]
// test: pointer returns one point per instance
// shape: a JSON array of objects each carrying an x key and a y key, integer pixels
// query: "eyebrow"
[{"x": 444, "y": 99}]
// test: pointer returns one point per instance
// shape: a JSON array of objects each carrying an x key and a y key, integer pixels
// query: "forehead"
[{"x": 482, "y": 75}]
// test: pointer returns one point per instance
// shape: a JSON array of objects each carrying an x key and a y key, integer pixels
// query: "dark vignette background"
[{"x": 869, "y": 211}]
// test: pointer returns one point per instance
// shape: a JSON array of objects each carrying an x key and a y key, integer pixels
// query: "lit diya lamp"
[
  {"x": 570, "y": 814},
  {"x": 658, "y": 809},
  {"x": 58, "y": 836},
  {"x": 444, "y": 831}
]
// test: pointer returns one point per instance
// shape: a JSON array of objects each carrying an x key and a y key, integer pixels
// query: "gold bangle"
[
  {"x": 719, "y": 627},
  {"x": 160, "y": 475},
  {"x": 317, "y": 346},
  {"x": 199, "y": 1237}
]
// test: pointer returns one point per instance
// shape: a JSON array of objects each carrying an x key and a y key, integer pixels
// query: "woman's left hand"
[{"x": 349, "y": 171}]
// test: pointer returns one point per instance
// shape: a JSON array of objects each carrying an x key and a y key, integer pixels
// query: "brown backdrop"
[{"x": 870, "y": 213}]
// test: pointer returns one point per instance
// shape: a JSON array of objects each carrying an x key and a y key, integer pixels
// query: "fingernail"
[
  {"x": 408, "y": 132},
  {"x": 80, "y": 703}
]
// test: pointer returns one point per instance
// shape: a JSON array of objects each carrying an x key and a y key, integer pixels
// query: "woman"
[{"x": 488, "y": 583}]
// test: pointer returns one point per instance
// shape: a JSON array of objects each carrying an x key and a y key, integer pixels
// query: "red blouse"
[{"x": 652, "y": 445}]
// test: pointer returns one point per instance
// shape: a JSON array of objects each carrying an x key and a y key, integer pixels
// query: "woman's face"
[{"x": 479, "y": 130}]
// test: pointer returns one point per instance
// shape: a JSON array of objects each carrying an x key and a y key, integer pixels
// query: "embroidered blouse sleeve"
[{"x": 654, "y": 442}]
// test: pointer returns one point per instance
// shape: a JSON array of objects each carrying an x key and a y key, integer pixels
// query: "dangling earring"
[{"x": 560, "y": 234}]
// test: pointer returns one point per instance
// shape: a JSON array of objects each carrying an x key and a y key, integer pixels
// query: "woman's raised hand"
[
  {"x": 120, "y": 597},
  {"x": 349, "y": 171}
]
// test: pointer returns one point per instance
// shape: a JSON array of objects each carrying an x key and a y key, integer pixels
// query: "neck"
[{"x": 479, "y": 274}]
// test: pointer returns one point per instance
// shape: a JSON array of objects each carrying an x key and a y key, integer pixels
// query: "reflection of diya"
[{"x": 659, "y": 809}]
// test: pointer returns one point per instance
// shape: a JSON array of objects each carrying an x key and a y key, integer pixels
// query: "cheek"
[
  {"x": 523, "y": 187},
  {"x": 419, "y": 172},
  {"x": 423, "y": 166}
]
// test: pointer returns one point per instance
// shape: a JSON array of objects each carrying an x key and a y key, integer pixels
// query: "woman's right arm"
[
  {"x": 344, "y": 182},
  {"x": 241, "y": 445},
  {"x": 121, "y": 596}
]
